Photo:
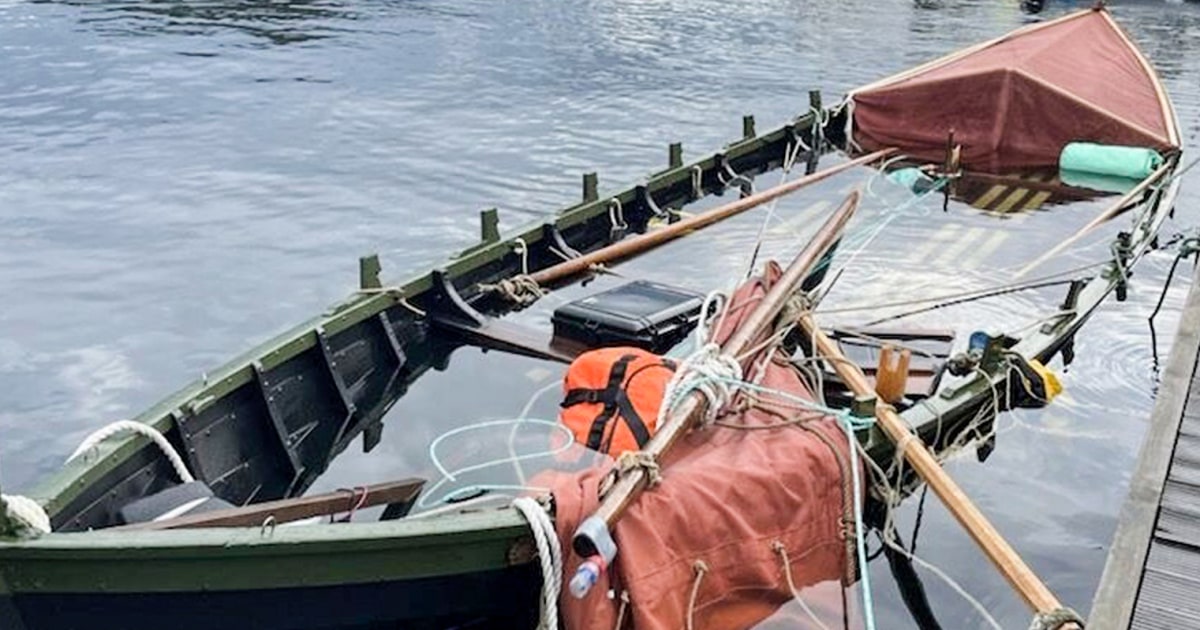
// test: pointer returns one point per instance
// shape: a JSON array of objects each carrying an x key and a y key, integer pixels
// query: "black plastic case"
[{"x": 643, "y": 314}]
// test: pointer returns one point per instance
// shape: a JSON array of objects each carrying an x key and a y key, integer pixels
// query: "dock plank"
[{"x": 1152, "y": 577}]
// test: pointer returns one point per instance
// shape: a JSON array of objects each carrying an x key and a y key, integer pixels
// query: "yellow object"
[{"x": 1050, "y": 381}]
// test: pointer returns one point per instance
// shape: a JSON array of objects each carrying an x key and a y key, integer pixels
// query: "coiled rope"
[{"x": 549, "y": 554}]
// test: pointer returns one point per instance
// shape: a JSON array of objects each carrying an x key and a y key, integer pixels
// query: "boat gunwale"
[{"x": 62, "y": 486}]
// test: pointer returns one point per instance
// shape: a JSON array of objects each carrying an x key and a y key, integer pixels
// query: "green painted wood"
[{"x": 250, "y": 558}]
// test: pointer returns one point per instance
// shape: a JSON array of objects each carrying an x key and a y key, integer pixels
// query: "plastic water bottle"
[{"x": 586, "y": 576}]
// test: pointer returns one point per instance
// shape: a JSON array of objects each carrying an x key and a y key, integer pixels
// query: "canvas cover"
[
  {"x": 1017, "y": 101},
  {"x": 729, "y": 498}
]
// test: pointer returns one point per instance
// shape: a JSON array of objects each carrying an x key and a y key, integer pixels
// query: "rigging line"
[
  {"x": 960, "y": 294},
  {"x": 934, "y": 307},
  {"x": 789, "y": 161}
]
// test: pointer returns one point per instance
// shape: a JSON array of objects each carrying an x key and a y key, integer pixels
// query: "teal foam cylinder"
[
  {"x": 1104, "y": 159},
  {"x": 1097, "y": 182}
]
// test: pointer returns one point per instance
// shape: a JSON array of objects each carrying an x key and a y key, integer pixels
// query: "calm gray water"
[{"x": 180, "y": 180}]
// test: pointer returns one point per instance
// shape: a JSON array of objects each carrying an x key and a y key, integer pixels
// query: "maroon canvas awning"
[{"x": 1017, "y": 100}]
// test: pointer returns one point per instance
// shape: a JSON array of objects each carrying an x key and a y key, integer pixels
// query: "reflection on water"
[
  {"x": 159, "y": 213},
  {"x": 273, "y": 22}
]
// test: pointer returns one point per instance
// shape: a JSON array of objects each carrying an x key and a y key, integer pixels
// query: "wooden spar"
[
  {"x": 287, "y": 510},
  {"x": 1116, "y": 208},
  {"x": 690, "y": 409},
  {"x": 643, "y": 242},
  {"x": 1014, "y": 569}
]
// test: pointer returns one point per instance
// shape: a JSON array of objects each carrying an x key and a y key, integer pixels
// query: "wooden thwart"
[
  {"x": 1014, "y": 569},
  {"x": 286, "y": 510}
]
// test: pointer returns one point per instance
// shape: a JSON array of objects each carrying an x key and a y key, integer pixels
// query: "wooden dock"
[{"x": 1152, "y": 576}]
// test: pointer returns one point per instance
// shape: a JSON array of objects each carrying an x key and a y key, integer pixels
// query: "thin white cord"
[
  {"x": 549, "y": 554},
  {"x": 129, "y": 426}
]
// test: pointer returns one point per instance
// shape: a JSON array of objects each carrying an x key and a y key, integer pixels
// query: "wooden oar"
[
  {"x": 1112, "y": 211},
  {"x": 638, "y": 244},
  {"x": 593, "y": 535},
  {"x": 1018, "y": 574}
]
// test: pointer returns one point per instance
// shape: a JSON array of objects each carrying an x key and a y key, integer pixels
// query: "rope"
[
  {"x": 621, "y": 611},
  {"x": 715, "y": 375},
  {"x": 1055, "y": 619},
  {"x": 128, "y": 426},
  {"x": 616, "y": 216},
  {"x": 787, "y": 574},
  {"x": 550, "y": 555},
  {"x": 428, "y": 497},
  {"x": 521, "y": 290},
  {"x": 629, "y": 460},
  {"x": 700, "y": 568},
  {"x": 27, "y": 514}
]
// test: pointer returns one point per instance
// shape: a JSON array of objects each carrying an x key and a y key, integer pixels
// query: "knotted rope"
[
  {"x": 549, "y": 554},
  {"x": 521, "y": 290},
  {"x": 630, "y": 460},
  {"x": 1055, "y": 619},
  {"x": 717, "y": 376}
]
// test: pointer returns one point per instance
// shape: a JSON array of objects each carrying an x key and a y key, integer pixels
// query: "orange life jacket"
[{"x": 611, "y": 398}]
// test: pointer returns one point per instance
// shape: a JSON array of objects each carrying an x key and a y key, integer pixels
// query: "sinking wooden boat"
[{"x": 255, "y": 433}]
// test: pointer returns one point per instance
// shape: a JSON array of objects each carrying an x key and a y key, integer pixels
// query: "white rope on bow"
[
  {"x": 549, "y": 554},
  {"x": 128, "y": 426},
  {"x": 27, "y": 514}
]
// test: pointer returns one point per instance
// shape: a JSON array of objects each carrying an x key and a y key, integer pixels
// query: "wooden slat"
[{"x": 286, "y": 510}]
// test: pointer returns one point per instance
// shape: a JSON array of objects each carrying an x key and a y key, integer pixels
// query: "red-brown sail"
[{"x": 1018, "y": 100}]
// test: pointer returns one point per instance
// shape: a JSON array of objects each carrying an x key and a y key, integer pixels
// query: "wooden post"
[{"x": 1014, "y": 569}]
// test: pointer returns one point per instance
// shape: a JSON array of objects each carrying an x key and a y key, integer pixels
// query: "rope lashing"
[
  {"x": 128, "y": 426},
  {"x": 520, "y": 290},
  {"x": 27, "y": 515},
  {"x": 717, "y": 376},
  {"x": 549, "y": 555},
  {"x": 629, "y": 460},
  {"x": 1055, "y": 619}
]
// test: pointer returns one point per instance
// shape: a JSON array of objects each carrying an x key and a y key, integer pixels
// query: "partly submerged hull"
[
  {"x": 471, "y": 571},
  {"x": 432, "y": 602}
]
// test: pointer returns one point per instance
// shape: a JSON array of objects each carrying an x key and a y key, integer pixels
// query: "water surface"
[{"x": 180, "y": 180}]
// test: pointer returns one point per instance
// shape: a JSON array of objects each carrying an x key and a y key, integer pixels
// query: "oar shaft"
[
  {"x": 629, "y": 485},
  {"x": 1108, "y": 213},
  {"x": 638, "y": 244},
  {"x": 1014, "y": 569}
]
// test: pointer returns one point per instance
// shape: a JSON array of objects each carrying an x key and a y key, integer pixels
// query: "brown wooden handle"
[
  {"x": 641, "y": 243},
  {"x": 1019, "y": 575}
]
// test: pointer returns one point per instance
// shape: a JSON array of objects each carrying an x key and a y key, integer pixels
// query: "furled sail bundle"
[{"x": 1016, "y": 101}]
